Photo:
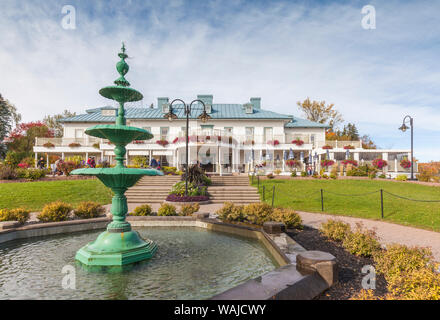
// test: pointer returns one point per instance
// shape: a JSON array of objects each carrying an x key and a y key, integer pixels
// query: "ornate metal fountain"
[{"x": 119, "y": 245}]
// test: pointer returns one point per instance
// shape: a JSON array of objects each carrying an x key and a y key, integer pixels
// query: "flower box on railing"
[
  {"x": 327, "y": 147},
  {"x": 48, "y": 145},
  {"x": 354, "y": 163},
  {"x": 298, "y": 142},
  {"x": 138, "y": 142},
  {"x": 348, "y": 147},
  {"x": 327, "y": 163},
  {"x": 74, "y": 145},
  {"x": 175, "y": 140},
  {"x": 162, "y": 143},
  {"x": 273, "y": 142},
  {"x": 379, "y": 163}
]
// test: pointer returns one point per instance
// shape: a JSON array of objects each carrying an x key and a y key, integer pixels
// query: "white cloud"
[{"x": 282, "y": 52}]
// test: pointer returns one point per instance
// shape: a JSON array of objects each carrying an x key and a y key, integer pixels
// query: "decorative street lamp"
[
  {"x": 204, "y": 117},
  {"x": 404, "y": 127}
]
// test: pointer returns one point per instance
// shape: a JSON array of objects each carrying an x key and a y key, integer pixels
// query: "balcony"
[{"x": 339, "y": 144}]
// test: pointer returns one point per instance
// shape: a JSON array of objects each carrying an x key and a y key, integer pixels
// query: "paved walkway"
[{"x": 387, "y": 232}]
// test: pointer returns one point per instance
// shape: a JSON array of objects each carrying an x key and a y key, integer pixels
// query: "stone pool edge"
[{"x": 301, "y": 275}]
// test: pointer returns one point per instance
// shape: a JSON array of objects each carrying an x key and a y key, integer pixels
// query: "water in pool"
[{"x": 190, "y": 263}]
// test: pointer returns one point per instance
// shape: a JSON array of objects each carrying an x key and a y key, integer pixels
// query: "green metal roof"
[{"x": 219, "y": 111}]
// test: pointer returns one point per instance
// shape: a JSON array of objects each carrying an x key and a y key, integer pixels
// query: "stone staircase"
[
  {"x": 151, "y": 189},
  {"x": 234, "y": 189}
]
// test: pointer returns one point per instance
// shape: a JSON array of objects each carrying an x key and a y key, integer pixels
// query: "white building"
[{"x": 235, "y": 139}]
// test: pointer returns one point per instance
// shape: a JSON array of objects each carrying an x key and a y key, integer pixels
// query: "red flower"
[
  {"x": 405, "y": 163},
  {"x": 327, "y": 163},
  {"x": 348, "y": 147},
  {"x": 327, "y": 147},
  {"x": 379, "y": 163},
  {"x": 352, "y": 162},
  {"x": 298, "y": 142}
]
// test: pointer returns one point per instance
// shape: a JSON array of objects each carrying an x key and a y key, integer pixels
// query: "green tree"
[
  {"x": 53, "y": 124},
  {"x": 318, "y": 111},
  {"x": 8, "y": 116}
]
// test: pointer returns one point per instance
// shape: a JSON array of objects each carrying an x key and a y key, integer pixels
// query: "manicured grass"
[
  {"x": 305, "y": 195},
  {"x": 34, "y": 195}
]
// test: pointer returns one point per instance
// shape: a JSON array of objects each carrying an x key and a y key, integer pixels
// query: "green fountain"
[{"x": 119, "y": 245}]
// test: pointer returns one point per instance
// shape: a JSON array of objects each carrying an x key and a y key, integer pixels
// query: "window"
[
  {"x": 249, "y": 133},
  {"x": 147, "y": 128},
  {"x": 163, "y": 133},
  {"x": 312, "y": 139},
  {"x": 268, "y": 134},
  {"x": 79, "y": 133},
  {"x": 207, "y": 128},
  {"x": 228, "y": 131}
]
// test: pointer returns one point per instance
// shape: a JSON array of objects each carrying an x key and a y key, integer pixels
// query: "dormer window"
[
  {"x": 208, "y": 108},
  {"x": 165, "y": 108},
  {"x": 248, "y": 108},
  {"x": 108, "y": 112}
]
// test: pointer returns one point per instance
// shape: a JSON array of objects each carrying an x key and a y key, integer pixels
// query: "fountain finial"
[{"x": 122, "y": 68}]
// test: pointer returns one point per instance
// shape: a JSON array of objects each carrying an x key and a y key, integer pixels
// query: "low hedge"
[
  {"x": 258, "y": 214},
  {"x": 55, "y": 211},
  {"x": 142, "y": 210},
  {"x": 89, "y": 209},
  {"x": 167, "y": 209},
  {"x": 19, "y": 214},
  {"x": 334, "y": 229},
  {"x": 189, "y": 209}
]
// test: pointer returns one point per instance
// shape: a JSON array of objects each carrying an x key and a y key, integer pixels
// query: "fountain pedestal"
[{"x": 119, "y": 245}]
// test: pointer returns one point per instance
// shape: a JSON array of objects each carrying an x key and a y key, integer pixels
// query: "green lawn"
[
  {"x": 34, "y": 195},
  {"x": 305, "y": 195}
]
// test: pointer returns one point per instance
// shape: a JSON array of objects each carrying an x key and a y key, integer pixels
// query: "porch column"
[
  {"x": 47, "y": 160},
  {"x": 319, "y": 162},
  {"x": 395, "y": 165},
  {"x": 36, "y": 159},
  {"x": 284, "y": 161},
  {"x": 356, "y": 156},
  {"x": 385, "y": 157},
  {"x": 62, "y": 155},
  {"x": 233, "y": 159}
]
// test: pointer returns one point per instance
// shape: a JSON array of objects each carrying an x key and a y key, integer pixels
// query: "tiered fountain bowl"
[{"x": 119, "y": 245}]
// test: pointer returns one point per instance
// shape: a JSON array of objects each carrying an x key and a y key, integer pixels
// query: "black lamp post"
[
  {"x": 204, "y": 116},
  {"x": 404, "y": 127}
]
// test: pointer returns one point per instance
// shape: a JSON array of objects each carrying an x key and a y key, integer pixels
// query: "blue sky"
[{"x": 282, "y": 51}]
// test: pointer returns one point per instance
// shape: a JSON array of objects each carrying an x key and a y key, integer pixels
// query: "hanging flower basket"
[
  {"x": 379, "y": 163},
  {"x": 327, "y": 147},
  {"x": 405, "y": 163},
  {"x": 327, "y": 163},
  {"x": 162, "y": 143},
  {"x": 292, "y": 163},
  {"x": 348, "y": 147},
  {"x": 298, "y": 142},
  {"x": 354, "y": 163},
  {"x": 48, "y": 145},
  {"x": 74, "y": 145}
]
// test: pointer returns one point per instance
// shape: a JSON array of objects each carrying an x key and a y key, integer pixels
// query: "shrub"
[
  {"x": 303, "y": 174},
  {"x": 365, "y": 295},
  {"x": 258, "y": 213},
  {"x": 89, "y": 209},
  {"x": 287, "y": 216},
  {"x": 66, "y": 167},
  {"x": 189, "y": 209},
  {"x": 166, "y": 209},
  {"x": 361, "y": 171},
  {"x": 193, "y": 189},
  {"x": 398, "y": 259},
  {"x": 19, "y": 214},
  {"x": 277, "y": 171},
  {"x": 7, "y": 173},
  {"x": 34, "y": 174},
  {"x": 401, "y": 177},
  {"x": 382, "y": 176},
  {"x": 372, "y": 175},
  {"x": 55, "y": 211},
  {"x": 293, "y": 174},
  {"x": 270, "y": 176},
  {"x": 379, "y": 163},
  {"x": 207, "y": 181},
  {"x": 335, "y": 229},
  {"x": 361, "y": 242},
  {"x": 143, "y": 210},
  {"x": 231, "y": 212}
]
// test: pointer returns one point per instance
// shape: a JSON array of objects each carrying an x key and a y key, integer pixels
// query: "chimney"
[
  {"x": 256, "y": 102},
  {"x": 207, "y": 100},
  {"x": 162, "y": 103}
]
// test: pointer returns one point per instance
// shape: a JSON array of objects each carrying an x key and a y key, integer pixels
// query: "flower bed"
[
  {"x": 379, "y": 163},
  {"x": 178, "y": 198},
  {"x": 352, "y": 162},
  {"x": 273, "y": 142},
  {"x": 292, "y": 163}
]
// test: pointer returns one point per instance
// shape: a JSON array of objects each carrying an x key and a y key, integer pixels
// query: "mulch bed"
[{"x": 350, "y": 266}]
